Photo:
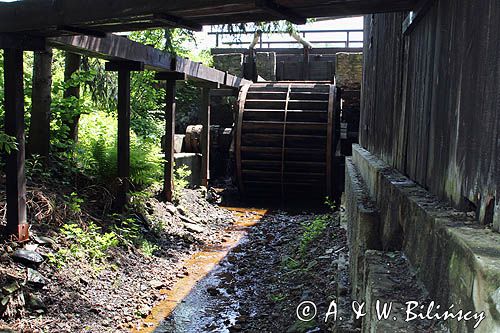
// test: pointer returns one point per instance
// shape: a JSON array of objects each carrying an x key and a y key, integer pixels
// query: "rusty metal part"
[{"x": 285, "y": 139}]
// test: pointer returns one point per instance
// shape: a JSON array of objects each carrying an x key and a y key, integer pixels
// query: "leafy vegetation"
[
  {"x": 97, "y": 152},
  {"x": 312, "y": 230},
  {"x": 7, "y": 143},
  {"x": 89, "y": 244}
]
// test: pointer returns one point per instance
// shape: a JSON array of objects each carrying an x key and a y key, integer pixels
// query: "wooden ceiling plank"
[
  {"x": 175, "y": 21},
  {"x": 280, "y": 11},
  {"x": 81, "y": 31},
  {"x": 22, "y": 42}
]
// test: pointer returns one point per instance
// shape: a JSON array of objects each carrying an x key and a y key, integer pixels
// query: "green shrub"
[
  {"x": 74, "y": 203},
  {"x": 89, "y": 244},
  {"x": 129, "y": 232}
]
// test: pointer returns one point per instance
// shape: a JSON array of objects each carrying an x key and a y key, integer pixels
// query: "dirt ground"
[{"x": 114, "y": 294}]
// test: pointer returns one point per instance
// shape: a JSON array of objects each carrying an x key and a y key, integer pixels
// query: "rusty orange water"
[{"x": 199, "y": 265}]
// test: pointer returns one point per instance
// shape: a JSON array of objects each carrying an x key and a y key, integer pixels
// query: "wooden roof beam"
[
  {"x": 81, "y": 31},
  {"x": 280, "y": 11},
  {"x": 22, "y": 42},
  {"x": 174, "y": 21}
]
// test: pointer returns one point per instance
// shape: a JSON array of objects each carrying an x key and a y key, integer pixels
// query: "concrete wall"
[
  {"x": 266, "y": 65},
  {"x": 431, "y": 101},
  {"x": 193, "y": 162},
  {"x": 457, "y": 262}
]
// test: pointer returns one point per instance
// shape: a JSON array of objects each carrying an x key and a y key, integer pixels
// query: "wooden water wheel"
[{"x": 285, "y": 139}]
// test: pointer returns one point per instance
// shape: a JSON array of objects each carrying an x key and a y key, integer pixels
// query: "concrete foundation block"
[
  {"x": 457, "y": 260},
  {"x": 193, "y": 162},
  {"x": 363, "y": 226},
  {"x": 349, "y": 70},
  {"x": 179, "y": 143},
  {"x": 391, "y": 283}
]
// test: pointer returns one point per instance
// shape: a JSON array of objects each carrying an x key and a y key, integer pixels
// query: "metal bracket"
[{"x": 167, "y": 76}]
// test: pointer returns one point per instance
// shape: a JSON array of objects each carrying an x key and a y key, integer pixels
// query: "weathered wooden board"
[
  {"x": 431, "y": 100},
  {"x": 117, "y": 48}
]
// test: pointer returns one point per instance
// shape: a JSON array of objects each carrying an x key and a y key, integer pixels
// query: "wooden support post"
[
  {"x": 205, "y": 137},
  {"x": 39, "y": 131},
  {"x": 14, "y": 126},
  {"x": 71, "y": 65},
  {"x": 123, "y": 146},
  {"x": 123, "y": 138},
  {"x": 168, "y": 173},
  {"x": 168, "y": 185}
]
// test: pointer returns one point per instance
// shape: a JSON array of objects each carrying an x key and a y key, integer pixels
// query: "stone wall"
[
  {"x": 349, "y": 70},
  {"x": 231, "y": 62},
  {"x": 266, "y": 65}
]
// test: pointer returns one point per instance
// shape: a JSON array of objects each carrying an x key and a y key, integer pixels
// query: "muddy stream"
[
  {"x": 188, "y": 306},
  {"x": 253, "y": 280}
]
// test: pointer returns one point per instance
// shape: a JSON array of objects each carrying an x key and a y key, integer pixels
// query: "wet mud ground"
[{"x": 267, "y": 264}]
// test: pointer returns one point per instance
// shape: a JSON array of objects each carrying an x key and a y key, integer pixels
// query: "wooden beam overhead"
[
  {"x": 42, "y": 15},
  {"x": 207, "y": 84},
  {"x": 22, "y": 41},
  {"x": 170, "y": 76},
  {"x": 120, "y": 49},
  {"x": 82, "y": 31},
  {"x": 176, "y": 22},
  {"x": 115, "y": 66},
  {"x": 280, "y": 11}
]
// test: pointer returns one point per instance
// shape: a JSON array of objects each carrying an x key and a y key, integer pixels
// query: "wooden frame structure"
[
  {"x": 55, "y": 18},
  {"x": 124, "y": 56}
]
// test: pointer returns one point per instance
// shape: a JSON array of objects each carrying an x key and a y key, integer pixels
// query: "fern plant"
[{"x": 97, "y": 153}]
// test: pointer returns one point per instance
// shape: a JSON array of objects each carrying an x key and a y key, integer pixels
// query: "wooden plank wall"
[{"x": 431, "y": 100}]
